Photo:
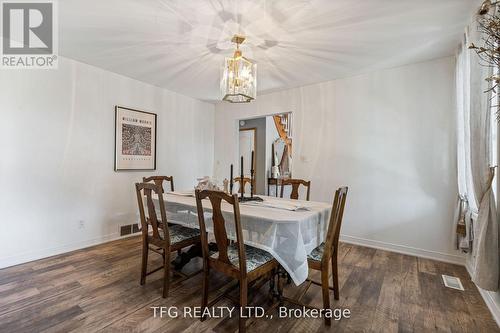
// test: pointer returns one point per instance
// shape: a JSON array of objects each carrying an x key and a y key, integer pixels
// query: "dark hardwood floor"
[{"x": 97, "y": 289}]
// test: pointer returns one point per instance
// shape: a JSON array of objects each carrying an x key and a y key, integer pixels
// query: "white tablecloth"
[{"x": 288, "y": 235}]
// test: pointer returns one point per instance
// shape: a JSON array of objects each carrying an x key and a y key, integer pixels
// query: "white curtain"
[
  {"x": 462, "y": 213},
  {"x": 474, "y": 173}
]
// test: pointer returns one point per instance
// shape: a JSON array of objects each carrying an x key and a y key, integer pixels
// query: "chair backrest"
[
  {"x": 333, "y": 233},
  {"x": 158, "y": 180},
  {"x": 219, "y": 227},
  {"x": 295, "y": 183},
  {"x": 242, "y": 185},
  {"x": 145, "y": 193}
]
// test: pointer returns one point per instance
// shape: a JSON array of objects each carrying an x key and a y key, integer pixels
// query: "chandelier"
[{"x": 238, "y": 83}]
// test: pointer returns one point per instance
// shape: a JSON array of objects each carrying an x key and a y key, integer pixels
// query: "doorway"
[{"x": 270, "y": 138}]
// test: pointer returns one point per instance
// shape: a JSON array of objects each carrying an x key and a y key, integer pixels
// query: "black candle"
[
  {"x": 251, "y": 165},
  {"x": 241, "y": 179},
  {"x": 251, "y": 176},
  {"x": 231, "y": 181},
  {"x": 272, "y": 155},
  {"x": 241, "y": 167}
]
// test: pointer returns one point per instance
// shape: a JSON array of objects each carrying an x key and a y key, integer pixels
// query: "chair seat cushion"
[
  {"x": 179, "y": 233},
  {"x": 255, "y": 257},
  {"x": 317, "y": 253}
]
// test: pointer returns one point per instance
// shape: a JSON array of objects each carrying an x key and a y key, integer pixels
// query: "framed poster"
[{"x": 135, "y": 139}]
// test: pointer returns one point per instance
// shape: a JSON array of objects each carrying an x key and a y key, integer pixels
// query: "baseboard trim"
[
  {"x": 487, "y": 296},
  {"x": 413, "y": 251},
  {"x": 50, "y": 252},
  {"x": 491, "y": 304}
]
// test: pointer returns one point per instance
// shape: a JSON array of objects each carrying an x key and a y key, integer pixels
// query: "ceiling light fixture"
[
  {"x": 486, "y": 6},
  {"x": 239, "y": 76}
]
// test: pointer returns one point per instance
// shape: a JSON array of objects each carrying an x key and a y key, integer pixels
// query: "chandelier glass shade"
[{"x": 239, "y": 77}]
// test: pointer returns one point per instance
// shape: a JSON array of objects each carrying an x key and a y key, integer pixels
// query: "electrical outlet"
[{"x": 81, "y": 224}]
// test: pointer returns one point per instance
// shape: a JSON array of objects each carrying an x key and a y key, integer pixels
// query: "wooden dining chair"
[
  {"x": 164, "y": 237},
  {"x": 242, "y": 184},
  {"x": 326, "y": 254},
  {"x": 237, "y": 260},
  {"x": 295, "y": 183},
  {"x": 159, "y": 180}
]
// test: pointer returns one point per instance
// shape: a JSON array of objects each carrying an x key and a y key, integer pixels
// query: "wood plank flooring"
[{"x": 97, "y": 290}]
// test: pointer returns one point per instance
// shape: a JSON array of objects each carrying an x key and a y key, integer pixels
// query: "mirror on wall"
[{"x": 281, "y": 166}]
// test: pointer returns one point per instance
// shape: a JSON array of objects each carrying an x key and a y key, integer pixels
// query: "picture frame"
[{"x": 135, "y": 139}]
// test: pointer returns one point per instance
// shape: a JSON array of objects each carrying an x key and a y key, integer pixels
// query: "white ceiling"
[{"x": 180, "y": 44}]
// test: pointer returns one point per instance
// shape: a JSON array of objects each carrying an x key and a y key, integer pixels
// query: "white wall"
[
  {"x": 388, "y": 135},
  {"x": 57, "y": 152}
]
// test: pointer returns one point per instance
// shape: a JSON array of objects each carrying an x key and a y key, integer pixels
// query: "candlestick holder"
[
  {"x": 251, "y": 197},
  {"x": 246, "y": 199}
]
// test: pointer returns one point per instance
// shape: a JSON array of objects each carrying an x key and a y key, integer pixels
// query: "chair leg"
[
  {"x": 326, "y": 294},
  {"x": 335, "y": 278},
  {"x": 271, "y": 283},
  {"x": 144, "y": 263},
  {"x": 166, "y": 277},
  {"x": 204, "y": 296},
  {"x": 243, "y": 304},
  {"x": 280, "y": 287}
]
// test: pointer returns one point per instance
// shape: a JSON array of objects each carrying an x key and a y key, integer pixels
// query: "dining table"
[{"x": 288, "y": 229}]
